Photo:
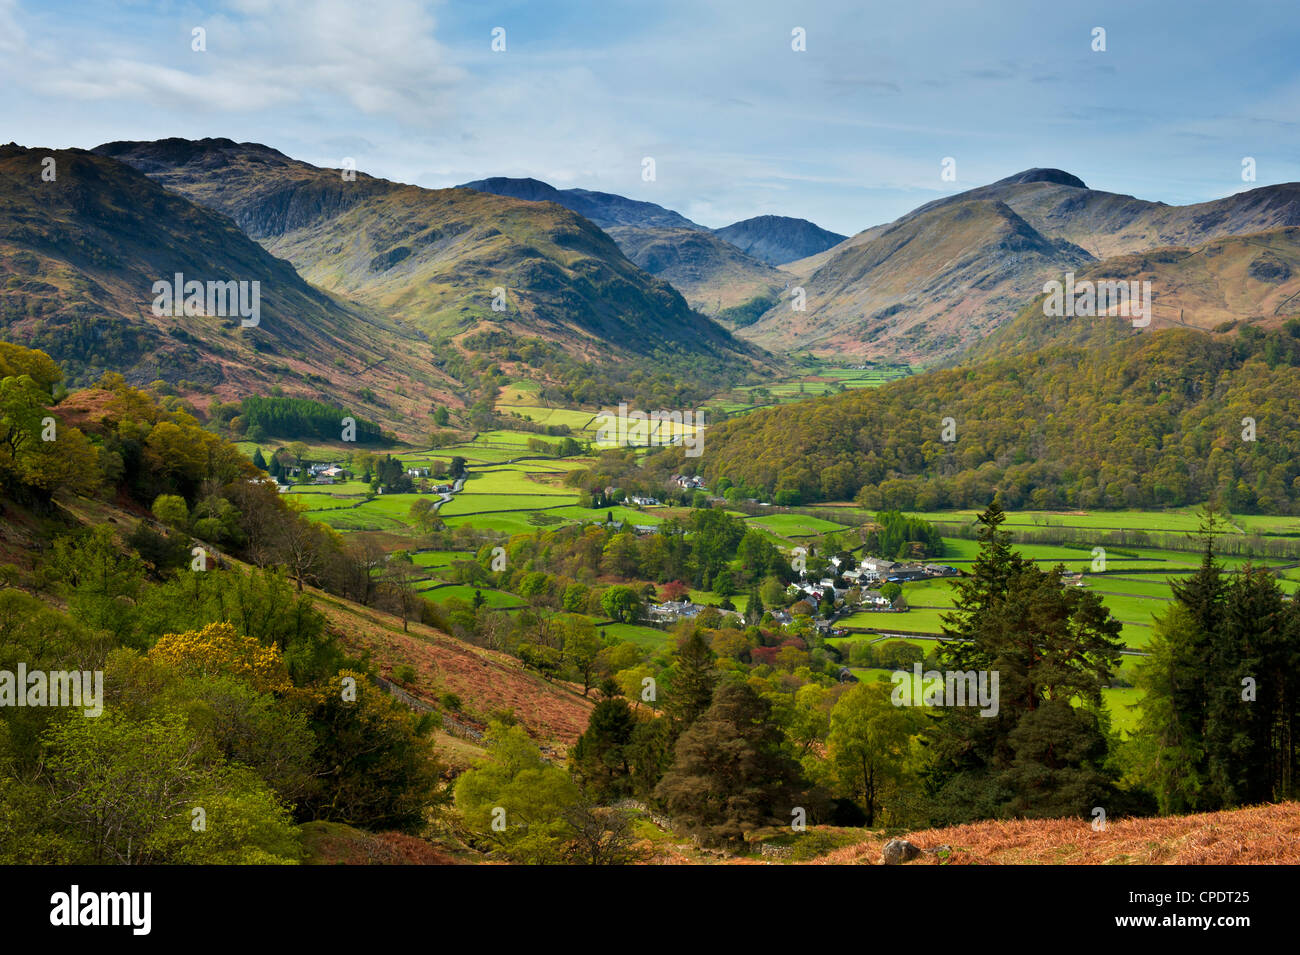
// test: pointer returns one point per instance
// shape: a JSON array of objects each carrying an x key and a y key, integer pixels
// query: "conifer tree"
[
  {"x": 1053, "y": 650},
  {"x": 730, "y": 772},
  {"x": 693, "y": 678},
  {"x": 600, "y": 760}
]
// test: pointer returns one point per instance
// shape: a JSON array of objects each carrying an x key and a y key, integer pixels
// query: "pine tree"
[
  {"x": 599, "y": 759},
  {"x": 1182, "y": 676},
  {"x": 754, "y": 607},
  {"x": 1239, "y": 725},
  {"x": 692, "y": 681},
  {"x": 259, "y": 462},
  {"x": 1172, "y": 756},
  {"x": 730, "y": 772},
  {"x": 1051, "y": 648}
]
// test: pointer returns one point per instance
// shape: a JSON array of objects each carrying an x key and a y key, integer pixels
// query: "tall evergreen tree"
[
  {"x": 1245, "y": 691},
  {"x": 691, "y": 683},
  {"x": 730, "y": 772},
  {"x": 600, "y": 760},
  {"x": 1053, "y": 651},
  {"x": 1180, "y": 677},
  {"x": 754, "y": 607}
]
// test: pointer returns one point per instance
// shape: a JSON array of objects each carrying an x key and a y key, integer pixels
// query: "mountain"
[
  {"x": 924, "y": 288},
  {"x": 454, "y": 264},
  {"x": 1062, "y": 207},
  {"x": 777, "y": 240},
  {"x": 941, "y": 278},
  {"x": 603, "y": 208},
  {"x": 1217, "y": 287},
  {"x": 711, "y": 273},
  {"x": 79, "y": 257}
]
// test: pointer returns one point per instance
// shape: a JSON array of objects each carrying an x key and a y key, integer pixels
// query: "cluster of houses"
[
  {"x": 877, "y": 570},
  {"x": 671, "y": 611},
  {"x": 640, "y": 530},
  {"x": 315, "y": 473},
  {"x": 815, "y": 591},
  {"x": 688, "y": 482},
  {"x": 644, "y": 501},
  {"x": 870, "y": 572}
]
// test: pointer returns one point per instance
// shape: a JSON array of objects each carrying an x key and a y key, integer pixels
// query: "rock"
[
  {"x": 898, "y": 851},
  {"x": 1269, "y": 268}
]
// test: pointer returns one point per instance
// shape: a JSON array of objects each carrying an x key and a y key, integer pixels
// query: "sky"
[{"x": 851, "y": 131}]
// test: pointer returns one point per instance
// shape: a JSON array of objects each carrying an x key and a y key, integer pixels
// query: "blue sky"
[{"x": 849, "y": 133}]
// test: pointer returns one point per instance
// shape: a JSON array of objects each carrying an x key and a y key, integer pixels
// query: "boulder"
[{"x": 898, "y": 851}]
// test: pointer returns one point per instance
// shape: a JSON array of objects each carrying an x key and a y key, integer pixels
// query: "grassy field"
[
  {"x": 793, "y": 525},
  {"x": 646, "y": 637},
  {"x": 1123, "y": 702},
  {"x": 580, "y": 422},
  {"x": 493, "y": 598},
  {"x": 811, "y": 379}
]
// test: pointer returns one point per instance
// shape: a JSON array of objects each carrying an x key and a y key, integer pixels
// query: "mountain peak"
[
  {"x": 518, "y": 188},
  {"x": 777, "y": 240},
  {"x": 603, "y": 208},
  {"x": 148, "y": 155},
  {"x": 1058, "y": 176}
]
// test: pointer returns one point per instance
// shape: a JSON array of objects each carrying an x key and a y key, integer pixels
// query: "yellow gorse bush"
[{"x": 219, "y": 648}]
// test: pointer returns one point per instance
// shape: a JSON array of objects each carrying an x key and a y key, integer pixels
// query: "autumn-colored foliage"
[{"x": 1262, "y": 835}]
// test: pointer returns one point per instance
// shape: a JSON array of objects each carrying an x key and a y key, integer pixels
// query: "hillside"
[
  {"x": 711, "y": 274},
  {"x": 486, "y": 681},
  {"x": 1216, "y": 288},
  {"x": 433, "y": 258},
  {"x": 1260, "y": 835},
  {"x": 78, "y": 260},
  {"x": 921, "y": 289},
  {"x": 777, "y": 240},
  {"x": 867, "y": 299},
  {"x": 1106, "y": 223},
  {"x": 603, "y": 208},
  {"x": 1040, "y": 429}
]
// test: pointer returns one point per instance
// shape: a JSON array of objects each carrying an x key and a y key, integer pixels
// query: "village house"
[
  {"x": 673, "y": 610},
  {"x": 876, "y": 568},
  {"x": 827, "y": 586},
  {"x": 902, "y": 573},
  {"x": 644, "y": 501},
  {"x": 670, "y": 611},
  {"x": 875, "y": 600}
]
